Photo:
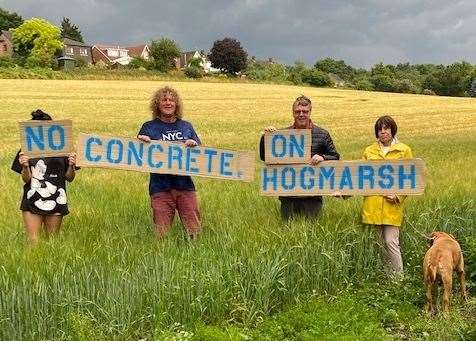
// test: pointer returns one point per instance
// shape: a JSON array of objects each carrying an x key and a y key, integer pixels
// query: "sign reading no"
[{"x": 46, "y": 138}]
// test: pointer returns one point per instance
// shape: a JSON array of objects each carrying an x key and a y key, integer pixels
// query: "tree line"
[{"x": 37, "y": 42}]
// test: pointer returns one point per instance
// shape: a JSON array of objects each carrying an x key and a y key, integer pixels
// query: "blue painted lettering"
[
  {"x": 34, "y": 138},
  {"x": 133, "y": 152},
  {"x": 288, "y": 185},
  {"x": 191, "y": 161},
  {"x": 273, "y": 179},
  {"x": 150, "y": 157},
  {"x": 310, "y": 183},
  {"x": 409, "y": 176},
  {"x": 225, "y": 163},
  {"x": 110, "y": 147},
  {"x": 326, "y": 174},
  {"x": 385, "y": 173},
  {"x": 61, "y": 137},
  {"x": 366, "y": 173},
  {"x": 88, "y": 149}
]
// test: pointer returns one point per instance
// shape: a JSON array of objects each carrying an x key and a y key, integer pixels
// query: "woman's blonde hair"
[{"x": 161, "y": 93}]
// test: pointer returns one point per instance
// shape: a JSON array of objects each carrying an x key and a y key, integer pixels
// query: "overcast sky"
[{"x": 360, "y": 32}]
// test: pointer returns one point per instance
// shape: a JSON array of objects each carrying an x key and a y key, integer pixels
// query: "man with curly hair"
[{"x": 170, "y": 193}]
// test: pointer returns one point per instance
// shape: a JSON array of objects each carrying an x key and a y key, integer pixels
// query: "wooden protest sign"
[
  {"x": 46, "y": 138},
  {"x": 163, "y": 157},
  {"x": 363, "y": 177},
  {"x": 287, "y": 146}
]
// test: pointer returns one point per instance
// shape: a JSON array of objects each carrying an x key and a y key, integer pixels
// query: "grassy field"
[{"x": 105, "y": 276}]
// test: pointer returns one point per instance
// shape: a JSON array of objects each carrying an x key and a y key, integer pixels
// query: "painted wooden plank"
[
  {"x": 288, "y": 146},
  {"x": 164, "y": 157},
  {"x": 363, "y": 177},
  {"x": 46, "y": 138}
]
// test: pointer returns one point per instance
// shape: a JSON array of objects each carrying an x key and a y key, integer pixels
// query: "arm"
[
  {"x": 25, "y": 172},
  {"x": 331, "y": 151},
  {"x": 194, "y": 140},
  {"x": 261, "y": 148},
  {"x": 269, "y": 129},
  {"x": 143, "y": 134},
  {"x": 70, "y": 171}
]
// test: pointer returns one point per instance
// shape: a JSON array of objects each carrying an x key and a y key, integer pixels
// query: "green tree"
[
  {"x": 472, "y": 88},
  {"x": 451, "y": 80},
  {"x": 9, "y": 20},
  {"x": 337, "y": 67},
  {"x": 163, "y": 53},
  {"x": 71, "y": 31},
  {"x": 228, "y": 55},
  {"x": 316, "y": 77},
  {"x": 38, "y": 41}
]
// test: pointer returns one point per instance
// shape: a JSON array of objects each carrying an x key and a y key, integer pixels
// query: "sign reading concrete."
[
  {"x": 164, "y": 157},
  {"x": 46, "y": 138},
  {"x": 287, "y": 146},
  {"x": 364, "y": 177}
]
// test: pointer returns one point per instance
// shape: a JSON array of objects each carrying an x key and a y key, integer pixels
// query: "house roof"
[
  {"x": 68, "y": 41},
  {"x": 136, "y": 51},
  {"x": 105, "y": 47},
  {"x": 101, "y": 51},
  {"x": 7, "y": 34}
]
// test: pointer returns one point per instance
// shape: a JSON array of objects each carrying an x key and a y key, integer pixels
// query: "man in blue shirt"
[{"x": 170, "y": 193}]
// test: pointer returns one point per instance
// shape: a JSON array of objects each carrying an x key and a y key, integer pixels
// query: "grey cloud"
[{"x": 360, "y": 32}]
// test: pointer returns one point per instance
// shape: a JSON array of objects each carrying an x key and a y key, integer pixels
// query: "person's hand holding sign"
[
  {"x": 270, "y": 129},
  {"x": 191, "y": 143},
  {"x": 315, "y": 159},
  {"x": 393, "y": 199},
  {"x": 72, "y": 159},
  {"x": 144, "y": 138},
  {"x": 23, "y": 159}
]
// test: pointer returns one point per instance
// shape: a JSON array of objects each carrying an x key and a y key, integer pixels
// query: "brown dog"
[{"x": 442, "y": 258}]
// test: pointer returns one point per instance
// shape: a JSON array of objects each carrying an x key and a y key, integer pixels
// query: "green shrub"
[
  {"x": 364, "y": 84},
  {"x": 316, "y": 77},
  {"x": 7, "y": 61},
  {"x": 80, "y": 62},
  {"x": 138, "y": 63},
  {"x": 193, "y": 72}
]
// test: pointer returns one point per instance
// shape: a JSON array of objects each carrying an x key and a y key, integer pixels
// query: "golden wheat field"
[{"x": 106, "y": 277}]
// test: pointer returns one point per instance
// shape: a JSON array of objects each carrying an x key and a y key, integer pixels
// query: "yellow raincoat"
[{"x": 376, "y": 210}]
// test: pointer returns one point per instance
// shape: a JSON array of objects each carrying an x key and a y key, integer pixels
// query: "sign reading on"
[
  {"x": 164, "y": 157},
  {"x": 287, "y": 146},
  {"x": 380, "y": 177},
  {"x": 46, "y": 138}
]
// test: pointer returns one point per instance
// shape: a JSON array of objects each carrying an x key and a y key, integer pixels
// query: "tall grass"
[{"x": 105, "y": 275}]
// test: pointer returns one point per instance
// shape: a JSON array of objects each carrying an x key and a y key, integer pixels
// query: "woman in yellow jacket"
[{"x": 386, "y": 212}]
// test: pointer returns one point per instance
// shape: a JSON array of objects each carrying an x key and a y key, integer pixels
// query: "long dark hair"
[{"x": 40, "y": 115}]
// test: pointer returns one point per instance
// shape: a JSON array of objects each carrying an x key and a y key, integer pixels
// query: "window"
[
  {"x": 123, "y": 53},
  {"x": 69, "y": 50},
  {"x": 83, "y": 51},
  {"x": 112, "y": 53}
]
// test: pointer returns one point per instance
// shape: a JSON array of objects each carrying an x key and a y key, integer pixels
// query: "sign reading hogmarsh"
[
  {"x": 364, "y": 177},
  {"x": 163, "y": 157},
  {"x": 46, "y": 138},
  {"x": 287, "y": 146}
]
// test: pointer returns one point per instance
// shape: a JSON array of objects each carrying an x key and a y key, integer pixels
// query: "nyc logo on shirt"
[{"x": 172, "y": 136}]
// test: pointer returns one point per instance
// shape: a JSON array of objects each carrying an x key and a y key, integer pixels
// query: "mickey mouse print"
[{"x": 45, "y": 194}]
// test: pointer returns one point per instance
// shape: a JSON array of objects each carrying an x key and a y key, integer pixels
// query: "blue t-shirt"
[{"x": 180, "y": 130}]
